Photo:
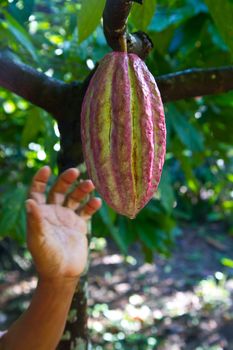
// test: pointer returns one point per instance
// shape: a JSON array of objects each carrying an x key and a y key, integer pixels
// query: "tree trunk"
[{"x": 75, "y": 336}]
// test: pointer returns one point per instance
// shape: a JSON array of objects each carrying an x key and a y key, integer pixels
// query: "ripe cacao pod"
[{"x": 123, "y": 132}]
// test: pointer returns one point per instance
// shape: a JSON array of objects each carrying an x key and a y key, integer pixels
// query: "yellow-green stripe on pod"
[{"x": 123, "y": 132}]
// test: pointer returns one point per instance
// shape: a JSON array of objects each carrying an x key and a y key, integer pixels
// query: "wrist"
[{"x": 58, "y": 283}]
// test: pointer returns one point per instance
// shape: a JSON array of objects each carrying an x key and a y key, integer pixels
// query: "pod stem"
[{"x": 123, "y": 43}]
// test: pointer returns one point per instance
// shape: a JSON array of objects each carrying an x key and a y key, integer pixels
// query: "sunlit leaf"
[
  {"x": 20, "y": 34},
  {"x": 227, "y": 262},
  {"x": 89, "y": 17},
  {"x": 3, "y": 3}
]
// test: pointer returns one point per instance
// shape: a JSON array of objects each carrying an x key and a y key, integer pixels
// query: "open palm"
[{"x": 56, "y": 234}]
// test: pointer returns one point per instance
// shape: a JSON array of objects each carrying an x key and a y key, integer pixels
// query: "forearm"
[{"x": 42, "y": 325}]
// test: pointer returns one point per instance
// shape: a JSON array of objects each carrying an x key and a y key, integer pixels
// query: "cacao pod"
[{"x": 123, "y": 132}]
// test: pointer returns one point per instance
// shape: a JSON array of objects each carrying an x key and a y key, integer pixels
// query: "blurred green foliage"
[{"x": 64, "y": 39}]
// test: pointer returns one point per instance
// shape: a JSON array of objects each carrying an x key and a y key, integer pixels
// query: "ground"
[{"x": 180, "y": 303}]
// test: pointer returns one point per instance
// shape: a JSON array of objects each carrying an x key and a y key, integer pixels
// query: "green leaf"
[
  {"x": 166, "y": 190},
  {"x": 3, "y": 3},
  {"x": 33, "y": 126},
  {"x": 167, "y": 16},
  {"x": 126, "y": 230},
  {"x": 152, "y": 208},
  {"x": 19, "y": 231},
  {"x": 47, "y": 123},
  {"x": 152, "y": 237},
  {"x": 141, "y": 15},
  {"x": 186, "y": 132},
  {"x": 222, "y": 13},
  {"x": 20, "y": 34},
  {"x": 227, "y": 262},
  {"x": 147, "y": 234},
  {"x": 89, "y": 17},
  {"x": 21, "y": 14},
  {"x": 11, "y": 212},
  {"x": 106, "y": 213},
  {"x": 148, "y": 253}
]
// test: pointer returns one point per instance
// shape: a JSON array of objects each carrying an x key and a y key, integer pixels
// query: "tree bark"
[
  {"x": 195, "y": 82},
  {"x": 76, "y": 333},
  {"x": 34, "y": 86},
  {"x": 64, "y": 101}
]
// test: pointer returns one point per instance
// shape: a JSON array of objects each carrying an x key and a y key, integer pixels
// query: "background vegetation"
[{"x": 197, "y": 179}]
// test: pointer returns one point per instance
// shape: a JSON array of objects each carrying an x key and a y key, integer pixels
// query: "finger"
[
  {"x": 34, "y": 216},
  {"x": 39, "y": 182},
  {"x": 91, "y": 208},
  {"x": 61, "y": 186},
  {"x": 80, "y": 193}
]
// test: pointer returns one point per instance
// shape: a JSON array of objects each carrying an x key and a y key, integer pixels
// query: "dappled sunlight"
[
  {"x": 112, "y": 259},
  {"x": 213, "y": 292},
  {"x": 14, "y": 290},
  {"x": 180, "y": 303}
]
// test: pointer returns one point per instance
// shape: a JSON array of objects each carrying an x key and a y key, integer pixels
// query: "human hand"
[{"x": 56, "y": 235}]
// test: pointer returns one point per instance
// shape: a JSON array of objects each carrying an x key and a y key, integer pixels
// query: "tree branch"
[
  {"x": 195, "y": 82},
  {"x": 27, "y": 82},
  {"x": 114, "y": 20},
  {"x": 64, "y": 101}
]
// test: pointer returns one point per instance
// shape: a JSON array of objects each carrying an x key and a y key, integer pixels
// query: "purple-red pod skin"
[{"x": 123, "y": 132}]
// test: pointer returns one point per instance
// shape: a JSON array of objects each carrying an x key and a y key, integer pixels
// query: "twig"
[{"x": 114, "y": 19}]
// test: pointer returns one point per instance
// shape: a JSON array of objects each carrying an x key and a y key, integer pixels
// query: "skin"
[{"x": 56, "y": 238}]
